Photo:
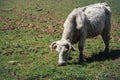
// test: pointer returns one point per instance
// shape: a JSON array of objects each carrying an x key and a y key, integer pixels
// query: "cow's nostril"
[{"x": 61, "y": 64}]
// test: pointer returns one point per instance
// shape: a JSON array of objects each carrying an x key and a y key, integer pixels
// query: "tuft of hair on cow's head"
[{"x": 63, "y": 47}]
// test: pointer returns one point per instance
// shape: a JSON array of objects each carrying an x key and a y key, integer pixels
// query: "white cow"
[{"x": 81, "y": 23}]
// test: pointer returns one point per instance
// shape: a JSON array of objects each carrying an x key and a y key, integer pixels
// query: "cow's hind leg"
[
  {"x": 106, "y": 36},
  {"x": 106, "y": 39},
  {"x": 106, "y": 33}
]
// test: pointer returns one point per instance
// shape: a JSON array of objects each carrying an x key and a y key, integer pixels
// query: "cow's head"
[{"x": 63, "y": 47}]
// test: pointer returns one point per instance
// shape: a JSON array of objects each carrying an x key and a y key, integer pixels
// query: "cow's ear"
[{"x": 73, "y": 48}]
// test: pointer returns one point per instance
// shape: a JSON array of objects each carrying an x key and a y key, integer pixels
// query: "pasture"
[{"x": 27, "y": 28}]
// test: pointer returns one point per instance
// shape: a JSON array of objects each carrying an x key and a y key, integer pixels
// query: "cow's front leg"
[
  {"x": 81, "y": 47},
  {"x": 80, "y": 59}
]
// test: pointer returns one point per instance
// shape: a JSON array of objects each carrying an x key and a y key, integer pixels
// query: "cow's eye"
[{"x": 58, "y": 49}]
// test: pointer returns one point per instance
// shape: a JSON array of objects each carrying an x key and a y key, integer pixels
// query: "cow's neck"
[{"x": 67, "y": 35}]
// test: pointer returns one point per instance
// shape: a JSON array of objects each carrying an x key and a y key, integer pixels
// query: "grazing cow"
[{"x": 81, "y": 23}]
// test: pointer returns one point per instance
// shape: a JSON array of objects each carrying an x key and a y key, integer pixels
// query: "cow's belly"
[
  {"x": 92, "y": 34},
  {"x": 95, "y": 29}
]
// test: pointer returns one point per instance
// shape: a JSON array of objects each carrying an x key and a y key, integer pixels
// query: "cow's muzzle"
[{"x": 62, "y": 64}]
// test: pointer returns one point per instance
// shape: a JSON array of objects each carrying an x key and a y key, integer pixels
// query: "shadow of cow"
[{"x": 114, "y": 54}]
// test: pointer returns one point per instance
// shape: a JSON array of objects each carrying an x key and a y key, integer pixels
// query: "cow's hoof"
[
  {"x": 80, "y": 61},
  {"x": 106, "y": 50},
  {"x": 70, "y": 58}
]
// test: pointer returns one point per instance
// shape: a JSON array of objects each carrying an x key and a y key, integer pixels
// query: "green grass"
[{"x": 28, "y": 27}]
